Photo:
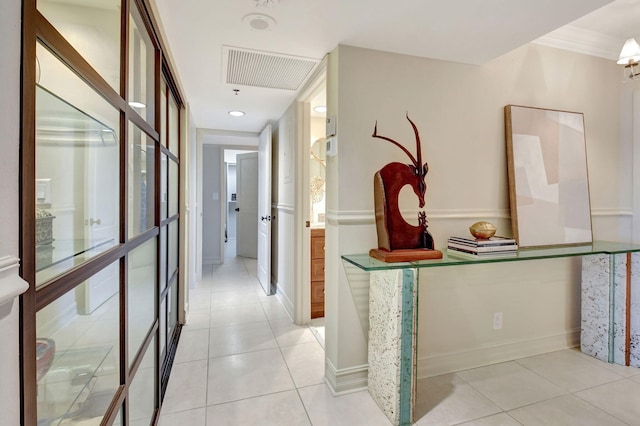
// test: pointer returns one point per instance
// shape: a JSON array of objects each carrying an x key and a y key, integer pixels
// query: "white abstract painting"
[{"x": 548, "y": 181}]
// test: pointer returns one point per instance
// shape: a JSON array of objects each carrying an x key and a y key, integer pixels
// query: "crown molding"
[{"x": 580, "y": 40}]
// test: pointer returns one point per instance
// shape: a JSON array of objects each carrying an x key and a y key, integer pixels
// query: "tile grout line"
[
  {"x": 295, "y": 386},
  {"x": 279, "y": 347}
]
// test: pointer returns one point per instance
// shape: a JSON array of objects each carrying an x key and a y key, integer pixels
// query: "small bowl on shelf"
[
  {"x": 482, "y": 230},
  {"x": 45, "y": 351}
]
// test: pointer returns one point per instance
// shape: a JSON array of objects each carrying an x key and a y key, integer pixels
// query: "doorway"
[
  {"x": 315, "y": 161},
  {"x": 240, "y": 227}
]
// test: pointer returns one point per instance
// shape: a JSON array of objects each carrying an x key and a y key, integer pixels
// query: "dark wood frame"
[{"x": 36, "y": 28}]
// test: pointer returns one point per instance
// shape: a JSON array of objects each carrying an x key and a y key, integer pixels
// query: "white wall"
[
  {"x": 459, "y": 112},
  {"x": 211, "y": 213},
  {"x": 10, "y": 284},
  {"x": 195, "y": 269}
]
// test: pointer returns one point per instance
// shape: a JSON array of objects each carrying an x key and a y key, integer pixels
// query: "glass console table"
[{"x": 610, "y": 310}]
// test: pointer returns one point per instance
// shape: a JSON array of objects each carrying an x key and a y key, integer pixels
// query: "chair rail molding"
[
  {"x": 612, "y": 212},
  {"x": 367, "y": 217},
  {"x": 11, "y": 285},
  {"x": 286, "y": 208}
]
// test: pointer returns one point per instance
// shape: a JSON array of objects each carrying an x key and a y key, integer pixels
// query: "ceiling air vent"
[{"x": 265, "y": 69}]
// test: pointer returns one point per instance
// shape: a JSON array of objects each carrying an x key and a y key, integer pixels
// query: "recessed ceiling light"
[
  {"x": 135, "y": 104},
  {"x": 236, "y": 113},
  {"x": 320, "y": 108}
]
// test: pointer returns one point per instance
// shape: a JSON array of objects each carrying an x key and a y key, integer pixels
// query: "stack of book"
[{"x": 482, "y": 248}]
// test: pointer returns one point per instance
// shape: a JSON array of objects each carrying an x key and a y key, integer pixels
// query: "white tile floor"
[
  {"x": 241, "y": 361},
  {"x": 559, "y": 388}
]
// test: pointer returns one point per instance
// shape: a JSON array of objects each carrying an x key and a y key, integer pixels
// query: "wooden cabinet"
[{"x": 317, "y": 273}]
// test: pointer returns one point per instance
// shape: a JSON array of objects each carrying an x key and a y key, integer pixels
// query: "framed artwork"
[{"x": 548, "y": 181}]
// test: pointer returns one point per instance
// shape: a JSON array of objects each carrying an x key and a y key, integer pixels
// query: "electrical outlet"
[{"x": 497, "y": 320}]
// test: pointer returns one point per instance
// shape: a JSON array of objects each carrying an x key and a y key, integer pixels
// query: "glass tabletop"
[{"x": 367, "y": 263}]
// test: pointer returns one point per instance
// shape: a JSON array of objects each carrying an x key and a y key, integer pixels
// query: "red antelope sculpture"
[{"x": 397, "y": 239}]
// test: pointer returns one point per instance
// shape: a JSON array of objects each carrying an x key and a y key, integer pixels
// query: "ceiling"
[{"x": 200, "y": 32}]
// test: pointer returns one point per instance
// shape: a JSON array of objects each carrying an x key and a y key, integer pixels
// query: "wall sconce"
[{"x": 630, "y": 57}]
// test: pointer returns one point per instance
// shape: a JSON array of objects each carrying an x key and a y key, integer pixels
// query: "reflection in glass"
[
  {"x": 92, "y": 27},
  {"x": 163, "y": 258},
  {"x": 78, "y": 368},
  {"x": 77, "y": 171},
  {"x": 141, "y": 68},
  {"x": 163, "y": 113},
  {"x": 142, "y": 398},
  {"x": 174, "y": 126},
  {"x": 172, "y": 260},
  {"x": 141, "y": 181},
  {"x": 118, "y": 420},
  {"x": 142, "y": 294},
  {"x": 173, "y": 188},
  {"x": 164, "y": 205},
  {"x": 172, "y": 306},
  {"x": 163, "y": 330}
]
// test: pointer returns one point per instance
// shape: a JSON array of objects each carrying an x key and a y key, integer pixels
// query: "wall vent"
[{"x": 265, "y": 69}]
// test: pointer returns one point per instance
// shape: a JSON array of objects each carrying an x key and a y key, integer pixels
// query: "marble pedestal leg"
[
  {"x": 611, "y": 308},
  {"x": 392, "y": 348}
]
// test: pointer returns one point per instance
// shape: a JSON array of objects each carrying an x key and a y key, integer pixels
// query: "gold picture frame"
[{"x": 548, "y": 180}]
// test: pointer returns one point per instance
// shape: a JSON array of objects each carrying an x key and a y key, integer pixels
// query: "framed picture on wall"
[{"x": 548, "y": 181}]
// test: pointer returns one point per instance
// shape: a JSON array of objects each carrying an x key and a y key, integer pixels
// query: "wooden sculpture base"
[{"x": 404, "y": 255}]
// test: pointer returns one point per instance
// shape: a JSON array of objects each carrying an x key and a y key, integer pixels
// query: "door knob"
[
  {"x": 237, "y": 209},
  {"x": 95, "y": 222},
  {"x": 267, "y": 218}
]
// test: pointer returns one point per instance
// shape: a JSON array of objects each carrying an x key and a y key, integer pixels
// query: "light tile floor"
[
  {"x": 560, "y": 388},
  {"x": 241, "y": 361}
]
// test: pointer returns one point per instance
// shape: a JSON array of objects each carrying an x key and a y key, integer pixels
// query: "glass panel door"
[
  {"x": 141, "y": 181},
  {"x": 141, "y": 94},
  {"x": 78, "y": 357},
  {"x": 77, "y": 172},
  {"x": 93, "y": 29}
]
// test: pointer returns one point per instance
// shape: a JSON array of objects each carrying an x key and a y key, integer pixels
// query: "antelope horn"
[
  {"x": 419, "y": 148},
  {"x": 375, "y": 135}
]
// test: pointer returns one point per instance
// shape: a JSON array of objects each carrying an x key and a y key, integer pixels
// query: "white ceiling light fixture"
[
  {"x": 136, "y": 104},
  {"x": 630, "y": 58},
  {"x": 259, "y": 21},
  {"x": 320, "y": 109},
  {"x": 236, "y": 113}
]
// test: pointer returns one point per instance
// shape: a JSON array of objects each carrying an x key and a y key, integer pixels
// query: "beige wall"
[
  {"x": 211, "y": 207},
  {"x": 9, "y": 163},
  {"x": 459, "y": 112}
]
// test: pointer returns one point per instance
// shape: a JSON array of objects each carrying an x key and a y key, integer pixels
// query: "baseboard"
[
  {"x": 457, "y": 361},
  {"x": 346, "y": 380},
  {"x": 284, "y": 299},
  {"x": 212, "y": 260}
]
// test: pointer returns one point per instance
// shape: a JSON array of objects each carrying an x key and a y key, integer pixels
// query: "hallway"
[{"x": 241, "y": 361}]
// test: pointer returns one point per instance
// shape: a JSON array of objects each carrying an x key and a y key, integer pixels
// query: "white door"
[
  {"x": 264, "y": 210},
  {"x": 101, "y": 223},
  {"x": 247, "y": 205}
]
